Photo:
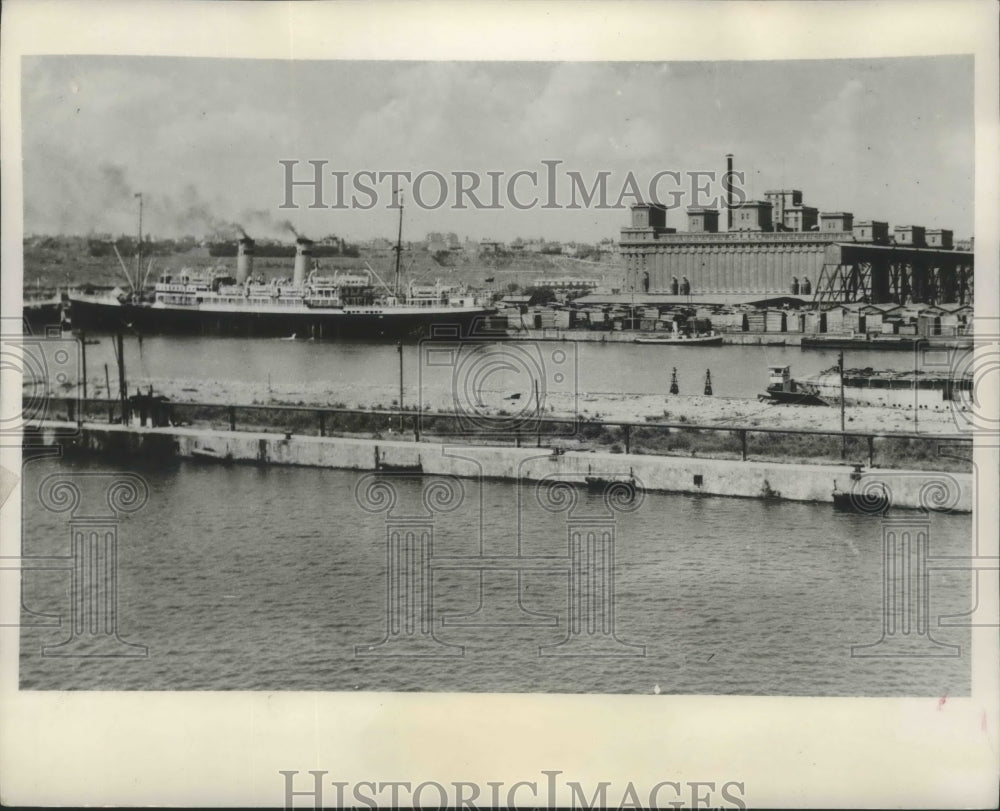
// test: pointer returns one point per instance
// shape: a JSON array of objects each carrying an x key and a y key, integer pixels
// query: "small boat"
[
  {"x": 681, "y": 339},
  {"x": 602, "y": 483},
  {"x": 869, "y": 501},
  {"x": 396, "y": 467},
  {"x": 859, "y": 503},
  {"x": 389, "y": 467}
]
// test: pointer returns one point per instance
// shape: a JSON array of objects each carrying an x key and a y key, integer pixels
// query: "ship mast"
[
  {"x": 138, "y": 256},
  {"x": 399, "y": 244}
]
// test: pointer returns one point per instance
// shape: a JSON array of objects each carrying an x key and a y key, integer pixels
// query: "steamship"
[{"x": 356, "y": 305}]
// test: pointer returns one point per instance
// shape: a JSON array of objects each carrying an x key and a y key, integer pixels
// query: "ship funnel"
[
  {"x": 244, "y": 259},
  {"x": 303, "y": 255}
]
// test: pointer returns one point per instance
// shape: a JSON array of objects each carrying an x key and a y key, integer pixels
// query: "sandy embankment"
[{"x": 610, "y": 406}]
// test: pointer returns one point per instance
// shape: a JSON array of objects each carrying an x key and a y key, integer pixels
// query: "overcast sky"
[{"x": 887, "y": 139}]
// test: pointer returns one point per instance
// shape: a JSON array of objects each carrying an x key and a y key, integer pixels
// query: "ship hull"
[
  {"x": 795, "y": 397},
  {"x": 41, "y": 316},
  {"x": 697, "y": 340},
  {"x": 100, "y": 316},
  {"x": 890, "y": 392},
  {"x": 902, "y": 344}
]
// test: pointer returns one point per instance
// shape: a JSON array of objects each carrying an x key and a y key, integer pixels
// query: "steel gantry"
[{"x": 880, "y": 274}]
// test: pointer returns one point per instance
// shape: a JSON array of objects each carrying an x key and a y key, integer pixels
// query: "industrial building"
[{"x": 779, "y": 248}]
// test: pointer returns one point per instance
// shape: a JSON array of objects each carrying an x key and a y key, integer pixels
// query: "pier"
[{"x": 668, "y": 474}]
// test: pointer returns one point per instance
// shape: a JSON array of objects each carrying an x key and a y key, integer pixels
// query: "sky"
[{"x": 887, "y": 139}]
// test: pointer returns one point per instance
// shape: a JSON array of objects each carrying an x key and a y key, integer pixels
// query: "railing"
[{"x": 875, "y": 448}]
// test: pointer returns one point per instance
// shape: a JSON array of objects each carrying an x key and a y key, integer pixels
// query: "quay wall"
[
  {"x": 629, "y": 336},
  {"x": 673, "y": 474},
  {"x": 733, "y": 338}
]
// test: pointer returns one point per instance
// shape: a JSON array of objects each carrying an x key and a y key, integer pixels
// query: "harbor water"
[
  {"x": 370, "y": 371},
  {"x": 268, "y": 578}
]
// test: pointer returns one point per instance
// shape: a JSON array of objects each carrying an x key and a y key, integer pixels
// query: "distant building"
[
  {"x": 780, "y": 247},
  {"x": 703, "y": 221},
  {"x": 836, "y": 221},
  {"x": 913, "y": 235},
  {"x": 939, "y": 238},
  {"x": 782, "y": 200},
  {"x": 873, "y": 231},
  {"x": 753, "y": 215}
]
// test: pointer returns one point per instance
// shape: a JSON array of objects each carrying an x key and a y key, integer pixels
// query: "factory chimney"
[
  {"x": 244, "y": 259},
  {"x": 728, "y": 185},
  {"x": 303, "y": 255}
]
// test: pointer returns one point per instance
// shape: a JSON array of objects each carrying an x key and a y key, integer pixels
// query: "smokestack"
[
  {"x": 729, "y": 192},
  {"x": 303, "y": 253},
  {"x": 244, "y": 259}
]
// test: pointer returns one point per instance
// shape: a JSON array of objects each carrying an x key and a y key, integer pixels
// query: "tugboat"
[
  {"x": 867, "y": 387},
  {"x": 782, "y": 389}
]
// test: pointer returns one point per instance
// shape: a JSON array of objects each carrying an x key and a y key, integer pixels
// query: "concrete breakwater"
[{"x": 717, "y": 477}]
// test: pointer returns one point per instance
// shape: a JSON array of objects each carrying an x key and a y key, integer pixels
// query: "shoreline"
[
  {"x": 806, "y": 340},
  {"x": 706, "y": 410}
]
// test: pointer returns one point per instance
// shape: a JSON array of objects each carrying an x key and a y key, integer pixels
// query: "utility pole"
[
  {"x": 916, "y": 391},
  {"x": 138, "y": 256},
  {"x": 107, "y": 386},
  {"x": 399, "y": 348},
  {"x": 843, "y": 425},
  {"x": 399, "y": 246},
  {"x": 83, "y": 360},
  {"x": 123, "y": 391}
]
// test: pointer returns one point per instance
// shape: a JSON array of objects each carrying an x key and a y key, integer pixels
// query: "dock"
[{"x": 768, "y": 480}]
